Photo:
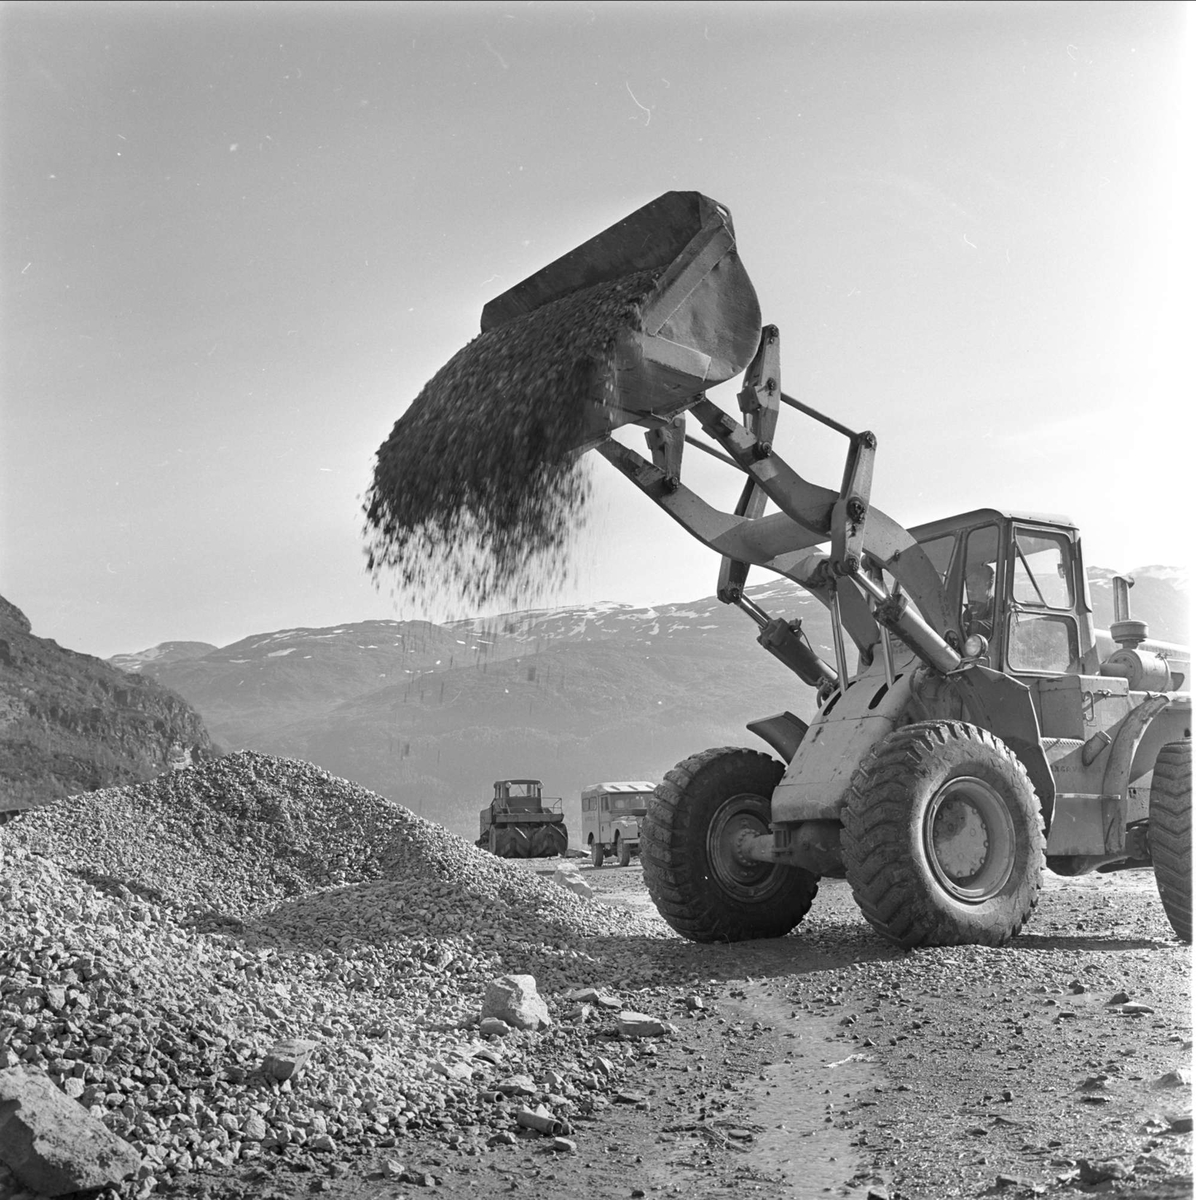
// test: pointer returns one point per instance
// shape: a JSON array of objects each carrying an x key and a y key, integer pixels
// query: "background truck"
[
  {"x": 610, "y": 819},
  {"x": 973, "y": 729},
  {"x": 520, "y": 823}
]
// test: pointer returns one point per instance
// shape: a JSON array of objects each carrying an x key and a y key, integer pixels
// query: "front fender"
[
  {"x": 815, "y": 784},
  {"x": 1127, "y": 761},
  {"x": 1002, "y": 705}
]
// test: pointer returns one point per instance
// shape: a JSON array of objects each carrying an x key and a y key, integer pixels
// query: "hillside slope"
[{"x": 72, "y": 723}]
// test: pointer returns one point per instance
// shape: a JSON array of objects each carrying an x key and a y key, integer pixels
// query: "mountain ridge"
[{"x": 431, "y": 714}]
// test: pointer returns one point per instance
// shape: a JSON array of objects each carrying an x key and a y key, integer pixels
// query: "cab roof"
[{"x": 978, "y": 516}]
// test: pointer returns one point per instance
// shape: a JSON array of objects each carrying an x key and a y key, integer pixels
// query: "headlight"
[{"x": 975, "y": 646}]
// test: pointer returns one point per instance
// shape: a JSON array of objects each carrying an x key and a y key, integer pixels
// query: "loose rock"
[
  {"x": 515, "y": 1000},
  {"x": 52, "y": 1144}
]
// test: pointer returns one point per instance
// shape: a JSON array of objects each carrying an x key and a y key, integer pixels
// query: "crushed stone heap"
[{"x": 160, "y": 939}]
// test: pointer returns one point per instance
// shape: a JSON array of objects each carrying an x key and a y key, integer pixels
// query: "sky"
[{"x": 238, "y": 238}]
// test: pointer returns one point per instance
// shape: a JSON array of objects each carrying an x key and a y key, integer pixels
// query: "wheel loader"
[
  {"x": 520, "y": 823},
  {"x": 973, "y": 728}
]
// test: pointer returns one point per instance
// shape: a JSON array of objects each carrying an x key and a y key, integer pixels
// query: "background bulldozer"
[
  {"x": 973, "y": 729},
  {"x": 520, "y": 823}
]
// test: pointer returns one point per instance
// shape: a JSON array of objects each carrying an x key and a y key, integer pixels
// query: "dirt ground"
[{"x": 829, "y": 1063}]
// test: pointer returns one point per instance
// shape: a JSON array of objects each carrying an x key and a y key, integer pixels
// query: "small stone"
[
  {"x": 456, "y": 1071},
  {"x": 503, "y": 1138},
  {"x": 1118, "y": 998},
  {"x": 1173, "y": 1079},
  {"x": 637, "y": 1025},
  {"x": 517, "y": 1085},
  {"x": 494, "y": 1027},
  {"x": 1099, "y": 1172},
  {"x": 286, "y": 1059},
  {"x": 418, "y": 1178},
  {"x": 563, "y": 1145},
  {"x": 253, "y": 1128},
  {"x": 595, "y": 997},
  {"x": 322, "y": 1142}
]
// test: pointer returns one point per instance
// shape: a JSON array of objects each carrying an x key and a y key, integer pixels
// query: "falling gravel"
[
  {"x": 160, "y": 939},
  {"x": 478, "y": 489}
]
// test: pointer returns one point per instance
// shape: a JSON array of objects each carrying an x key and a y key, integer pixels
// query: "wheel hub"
[
  {"x": 969, "y": 839},
  {"x": 740, "y": 819}
]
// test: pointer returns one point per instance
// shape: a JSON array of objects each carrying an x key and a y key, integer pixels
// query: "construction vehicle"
[
  {"x": 520, "y": 823},
  {"x": 610, "y": 819},
  {"x": 973, "y": 729}
]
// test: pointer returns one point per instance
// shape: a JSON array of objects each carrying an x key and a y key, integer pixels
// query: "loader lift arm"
[{"x": 810, "y": 516}]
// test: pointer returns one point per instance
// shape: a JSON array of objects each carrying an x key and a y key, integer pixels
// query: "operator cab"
[
  {"x": 1016, "y": 581},
  {"x": 518, "y": 795}
]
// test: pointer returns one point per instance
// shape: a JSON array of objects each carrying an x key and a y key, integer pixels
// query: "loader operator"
[{"x": 978, "y": 611}]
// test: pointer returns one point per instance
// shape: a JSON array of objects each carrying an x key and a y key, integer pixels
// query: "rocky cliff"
[{"x": 71, "y": 723}]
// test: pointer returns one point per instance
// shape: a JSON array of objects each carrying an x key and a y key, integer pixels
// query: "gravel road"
[{"x": 158, "y": 940}]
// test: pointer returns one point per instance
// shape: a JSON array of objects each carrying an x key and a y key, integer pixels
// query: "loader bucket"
[
  {"x": 698, "y": 320},
  {"x": 477, "y": 489}
]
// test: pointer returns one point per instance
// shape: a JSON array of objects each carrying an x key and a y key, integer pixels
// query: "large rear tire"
[
  {"x": 624, "y": 854},
  {"x": 942, "y": 837},
  {"x": 702, "y": 887},
  {"x": 596, "y": 854},
  {"x": 1170, "y": 835}
]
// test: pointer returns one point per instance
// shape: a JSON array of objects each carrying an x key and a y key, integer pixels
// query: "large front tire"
[
  {"x": 943, "y": 837},
  {"x": 700, "y": 884},
  {"x": 1170, "y": 835}
]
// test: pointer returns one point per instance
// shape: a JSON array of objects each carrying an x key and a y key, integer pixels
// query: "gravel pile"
[
  {"x": 478, "y": 489},
  {"x": 160, "y": 939}
]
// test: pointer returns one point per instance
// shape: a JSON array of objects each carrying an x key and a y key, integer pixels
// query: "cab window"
[
  {"x": 1041, "y": 575},
  {"x": 979, "y": 581},
  {"x": 1042, "y": 643}
]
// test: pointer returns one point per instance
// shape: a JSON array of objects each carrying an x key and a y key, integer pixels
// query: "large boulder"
[
  {"x": 514, "y": 999},
  {"x": 52, "y": 1144},
  {"x": 567, "y": 877}
]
